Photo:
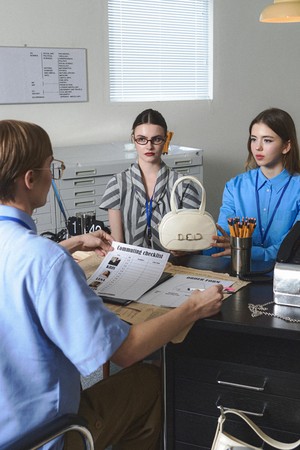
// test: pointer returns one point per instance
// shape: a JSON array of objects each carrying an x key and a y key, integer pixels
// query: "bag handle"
[
  {"x": 195, "y": 180},
  {"x": 258, "y": 431}
]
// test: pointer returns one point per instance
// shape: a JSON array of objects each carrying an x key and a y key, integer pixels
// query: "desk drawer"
[
  {"x": 240, "y": 376},
  {"x": 241, "y": 349},
  {"x": 88, "y": 181},
  {"x": 83, "y": 191},
  {"x": 189, "y": 428},
  {"x": 266, "y": 410}
]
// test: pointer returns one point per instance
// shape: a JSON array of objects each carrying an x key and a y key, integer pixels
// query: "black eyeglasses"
[
  {"x": 156, "y": 140},
  {"x": 57, "y": 169}
]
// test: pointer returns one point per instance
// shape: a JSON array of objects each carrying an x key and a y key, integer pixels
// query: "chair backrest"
[{"x": 51, "y": 430}]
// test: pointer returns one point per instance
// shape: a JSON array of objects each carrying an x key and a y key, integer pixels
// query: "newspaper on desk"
[{"x": 139, "y": 312}]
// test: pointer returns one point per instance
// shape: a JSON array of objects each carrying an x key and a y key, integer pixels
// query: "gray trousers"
[{"x": 123, "y": 410}]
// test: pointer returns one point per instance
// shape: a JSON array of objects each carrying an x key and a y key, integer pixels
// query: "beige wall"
[{"x": 255, "y": 66}]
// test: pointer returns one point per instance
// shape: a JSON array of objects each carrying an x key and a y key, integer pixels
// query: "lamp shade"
[{"x": 281, "y": 11}]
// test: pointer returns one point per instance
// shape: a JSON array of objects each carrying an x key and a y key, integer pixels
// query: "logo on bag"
[{"x": 189, "y": 237}]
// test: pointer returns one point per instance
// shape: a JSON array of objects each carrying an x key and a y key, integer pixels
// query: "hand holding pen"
[{"x": 226, "y": 290}]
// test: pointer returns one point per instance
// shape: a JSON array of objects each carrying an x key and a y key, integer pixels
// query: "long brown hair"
[{"x": 283, "y": 125}]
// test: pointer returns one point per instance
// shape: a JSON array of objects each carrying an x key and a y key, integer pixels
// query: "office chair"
[{"x": 51, "y": 430}]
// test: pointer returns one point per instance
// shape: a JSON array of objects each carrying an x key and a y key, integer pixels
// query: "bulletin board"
[{"x": 43, "y": 75}]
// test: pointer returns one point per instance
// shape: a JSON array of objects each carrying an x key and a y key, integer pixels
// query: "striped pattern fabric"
[{"x": 126, "y": 191}]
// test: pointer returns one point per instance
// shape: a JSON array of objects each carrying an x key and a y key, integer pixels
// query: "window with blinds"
[{"x": 160, "y": 50}]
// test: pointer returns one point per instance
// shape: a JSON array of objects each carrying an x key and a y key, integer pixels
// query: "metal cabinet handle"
[
  {"x": 88, "y": 203},
  {"x": 251, "y": 382},
  {"x": 84, "y": 193},
  {"x": 80, "y": 173},
  {"x": 183, "y": 170},
  {"x": 249, "y": 413},
  {"x": 240, "y": 385},
  {"x": 85, "y": 182},
  {"x": 183, "y": 163}
]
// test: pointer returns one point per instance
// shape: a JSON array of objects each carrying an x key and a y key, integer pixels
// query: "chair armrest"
[{"x": 39, "y": 436}]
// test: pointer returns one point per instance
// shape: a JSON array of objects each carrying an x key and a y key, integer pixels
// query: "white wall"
[{"x": 255, "y": 66}]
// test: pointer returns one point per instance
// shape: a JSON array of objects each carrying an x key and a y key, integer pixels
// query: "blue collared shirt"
[
  {"x": 52, "y": 328},
  {"x": 239, "y": 200}
]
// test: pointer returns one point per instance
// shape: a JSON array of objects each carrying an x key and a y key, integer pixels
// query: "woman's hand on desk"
[
  {"x": 98, "y": 241},
  {"x": 221, "y": 242}
]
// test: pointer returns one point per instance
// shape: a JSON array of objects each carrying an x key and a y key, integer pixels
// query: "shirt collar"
[
  {"x": 138, "y": 186},
  {"x": 11, "y": 211},
  {"x": 277, "y": 182}
]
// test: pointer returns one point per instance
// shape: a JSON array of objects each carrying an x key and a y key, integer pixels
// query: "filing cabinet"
[{"x": 89, "y": 168}]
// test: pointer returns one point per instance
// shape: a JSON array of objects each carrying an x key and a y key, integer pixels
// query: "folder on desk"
[{"x": 123, "y": 302}]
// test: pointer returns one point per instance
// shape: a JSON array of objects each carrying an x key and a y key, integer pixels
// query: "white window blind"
[{"x": 160, "y": 50}]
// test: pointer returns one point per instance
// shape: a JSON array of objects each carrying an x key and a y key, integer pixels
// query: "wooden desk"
[{"x": 233, "y": 360}]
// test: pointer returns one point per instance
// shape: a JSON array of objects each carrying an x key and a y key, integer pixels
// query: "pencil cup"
[{"x": 240, "y": 255}]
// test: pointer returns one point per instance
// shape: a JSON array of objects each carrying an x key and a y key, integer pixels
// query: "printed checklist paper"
[{"x": 128, "y": 271}]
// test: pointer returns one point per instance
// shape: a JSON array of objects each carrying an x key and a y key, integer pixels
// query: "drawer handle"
[
  {"x": 85, "y": 182},
  {"x": 253, "y": 383},
  {"x": 85, "y": 203},
  {"x": 84, "y": 193},
  {"x": 183, "y": 170},
  {"x": 183, "y": 163},
  {"x": 81, "y": 173},
  {"x": 249, "y": 413}
]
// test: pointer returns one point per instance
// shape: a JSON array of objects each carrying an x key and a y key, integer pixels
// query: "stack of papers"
[{"x": 131, "y": 273}]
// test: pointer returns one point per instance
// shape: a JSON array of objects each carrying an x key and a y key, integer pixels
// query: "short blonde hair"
[{"x": 23, "y": 146}]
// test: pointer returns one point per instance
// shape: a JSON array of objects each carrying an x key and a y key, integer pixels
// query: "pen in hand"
[
  {"x": 227, "y": 290},
  {"x": 195, "y": 289}
]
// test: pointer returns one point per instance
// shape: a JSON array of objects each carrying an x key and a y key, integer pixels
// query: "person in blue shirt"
[
  {"x": 269, "y": 190},
  {"x": 53, "y": 327}
]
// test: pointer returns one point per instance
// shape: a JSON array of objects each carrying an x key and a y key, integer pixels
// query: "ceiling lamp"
[{"x": 281, "y": 11}]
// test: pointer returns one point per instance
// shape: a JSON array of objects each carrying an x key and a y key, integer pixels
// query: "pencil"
[{"x": 241, "y": 228}]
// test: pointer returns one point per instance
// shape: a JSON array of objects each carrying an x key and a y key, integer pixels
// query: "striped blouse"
[{"x": 125, "y": 191}]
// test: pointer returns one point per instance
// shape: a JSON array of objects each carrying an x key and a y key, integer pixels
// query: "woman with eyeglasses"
[{"x": 139, "y": 197}]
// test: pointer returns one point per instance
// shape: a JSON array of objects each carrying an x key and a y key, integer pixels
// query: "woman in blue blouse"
[{"x": 269, "y": 190}]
